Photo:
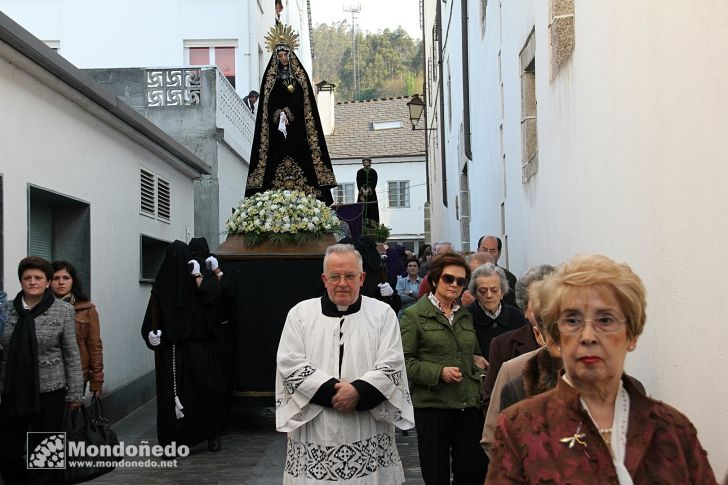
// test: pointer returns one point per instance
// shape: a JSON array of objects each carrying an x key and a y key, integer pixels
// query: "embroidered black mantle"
[{"x": 300, "y": 159}]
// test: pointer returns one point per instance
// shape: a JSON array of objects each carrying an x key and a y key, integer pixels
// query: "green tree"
[{"x": 389, "y": 62}]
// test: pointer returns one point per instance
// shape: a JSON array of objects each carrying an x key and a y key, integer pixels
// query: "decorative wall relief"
[{"x": 172, "y": 87}]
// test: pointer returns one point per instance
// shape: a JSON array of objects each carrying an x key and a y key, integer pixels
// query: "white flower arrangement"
[{"x": 283, "y": 217}]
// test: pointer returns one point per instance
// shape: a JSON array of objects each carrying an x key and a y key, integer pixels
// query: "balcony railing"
[{"x": 232, "y": 114}]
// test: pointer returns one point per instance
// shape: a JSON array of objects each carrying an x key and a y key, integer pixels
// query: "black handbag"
[{"x": 91, "y": 427}]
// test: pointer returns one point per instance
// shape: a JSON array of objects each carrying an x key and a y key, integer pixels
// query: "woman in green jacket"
[{"x": 440, "y": 350}]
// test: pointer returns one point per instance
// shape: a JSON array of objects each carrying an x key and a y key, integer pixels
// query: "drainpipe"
[
  {"x": 427, "y": 98},
  {"x": 466, "y": 81},
  {"x": 441, "y": 51}
]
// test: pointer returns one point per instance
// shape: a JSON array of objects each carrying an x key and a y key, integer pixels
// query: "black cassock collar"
[{"x": 329, "y": 308}]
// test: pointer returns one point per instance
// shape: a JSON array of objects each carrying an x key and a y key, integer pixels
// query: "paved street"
[{"x": 253, "y": 453}]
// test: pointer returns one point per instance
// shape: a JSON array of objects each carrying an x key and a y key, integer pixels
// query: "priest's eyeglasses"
[
  {"x": 605, "y": 323},
  {"x": 348, "y": 277}
]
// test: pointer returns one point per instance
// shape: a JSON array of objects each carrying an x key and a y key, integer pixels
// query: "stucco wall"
[
  {"x": 232, "y": 177},
  {"x": 631, "y": 164},
  {"x": 54, "y": 144}
]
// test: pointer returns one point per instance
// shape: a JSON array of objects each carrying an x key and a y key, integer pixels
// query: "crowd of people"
[
  {"x": 51, "y": 353},
  {"x": 497, "y": 393},
  {"x": 529, "y": 393}
]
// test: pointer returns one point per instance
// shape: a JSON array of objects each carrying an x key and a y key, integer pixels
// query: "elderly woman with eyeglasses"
[
  {"x": 595, "y": 426},
  {"x": 440, "y": 346}
]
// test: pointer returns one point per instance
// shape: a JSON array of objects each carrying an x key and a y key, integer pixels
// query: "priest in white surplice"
[{"x": 341, "y": 384}]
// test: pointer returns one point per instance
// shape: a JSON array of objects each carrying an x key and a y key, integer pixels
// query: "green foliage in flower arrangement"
[
  {"x": 378, "y": 232},
  {"x": 283, "y": 217}
]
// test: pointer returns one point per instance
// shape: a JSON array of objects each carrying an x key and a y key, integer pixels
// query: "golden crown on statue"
[{"x": 281, "y": 35}]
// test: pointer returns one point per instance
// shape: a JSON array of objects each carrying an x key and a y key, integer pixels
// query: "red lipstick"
[{"x": 590, "y": 359}]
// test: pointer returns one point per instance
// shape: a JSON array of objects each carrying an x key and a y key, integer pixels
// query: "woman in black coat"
[{"x": 492, "y": 317}]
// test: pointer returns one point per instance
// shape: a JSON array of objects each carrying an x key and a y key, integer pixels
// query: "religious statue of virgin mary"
[{"x": 289, "y": 150}]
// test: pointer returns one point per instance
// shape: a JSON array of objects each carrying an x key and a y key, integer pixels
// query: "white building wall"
[
  {"x": 82, "y": 157},
  {"x": 445, "y": 225},
  {"x": 403, "y": 221},
  {"x": 138, "y": 33},
  {"x": 631, "y": 164},
  {"x": 232, "y": 177}
]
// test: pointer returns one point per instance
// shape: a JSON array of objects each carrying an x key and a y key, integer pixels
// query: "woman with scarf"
[
  {"x": 289, "y": 149},
  {"x": 40, "y": 373},
  {"x": 179, "y": 327},
  {"x": 67, "y": 287}
]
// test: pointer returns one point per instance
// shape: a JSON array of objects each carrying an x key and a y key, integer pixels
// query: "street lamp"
[{"x": 416, "y": 106}]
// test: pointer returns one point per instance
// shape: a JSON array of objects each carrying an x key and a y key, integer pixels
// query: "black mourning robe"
[
  {"x": 299, "y": 160},
  {"x": 222, "y": 315},
  {"x": 190, "y": 335}
]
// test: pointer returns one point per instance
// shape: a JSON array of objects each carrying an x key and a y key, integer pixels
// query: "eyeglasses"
[
  {"x": 489, "y": 251},
  {"x": 602, "y": 324},
  {"x": 348, "y": 277},
  {"x": 449, "y": 279}
]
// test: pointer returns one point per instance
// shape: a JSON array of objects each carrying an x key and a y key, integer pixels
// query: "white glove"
[
  {"x": 195, "y": 267},
  {"x": 155, "y": 338},
  {"x": 385, "y": 289},
  {"x": 212, "y": 263}
]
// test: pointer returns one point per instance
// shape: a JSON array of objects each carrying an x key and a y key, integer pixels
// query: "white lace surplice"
[{"x": 325, "y": 445}]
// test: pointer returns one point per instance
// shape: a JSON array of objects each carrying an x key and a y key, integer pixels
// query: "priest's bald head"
[{"x": 343, "y": 274}]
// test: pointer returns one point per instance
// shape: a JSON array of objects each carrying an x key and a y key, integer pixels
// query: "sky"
[{"x": 375, "y": 15}]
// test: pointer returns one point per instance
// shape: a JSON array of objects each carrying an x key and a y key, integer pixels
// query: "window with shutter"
[
  {"x": 40, "y": 230},
  {"x": 163, "y": 199},
  {"x": 147, "y": 193},
  {"x": 59, "y": 227},
  {"x": 156, "y": 196}
]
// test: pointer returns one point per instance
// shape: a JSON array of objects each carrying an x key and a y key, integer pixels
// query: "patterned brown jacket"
[{"x": 662, "y": 444}]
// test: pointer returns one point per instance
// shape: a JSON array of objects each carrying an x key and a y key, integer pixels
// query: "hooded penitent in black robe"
[
  {"x": 374, "y": 269},
  {"x": 299, "y": 160},
  {"x": 190, "y": 339},
  {"x": 223, "y": 316}
]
